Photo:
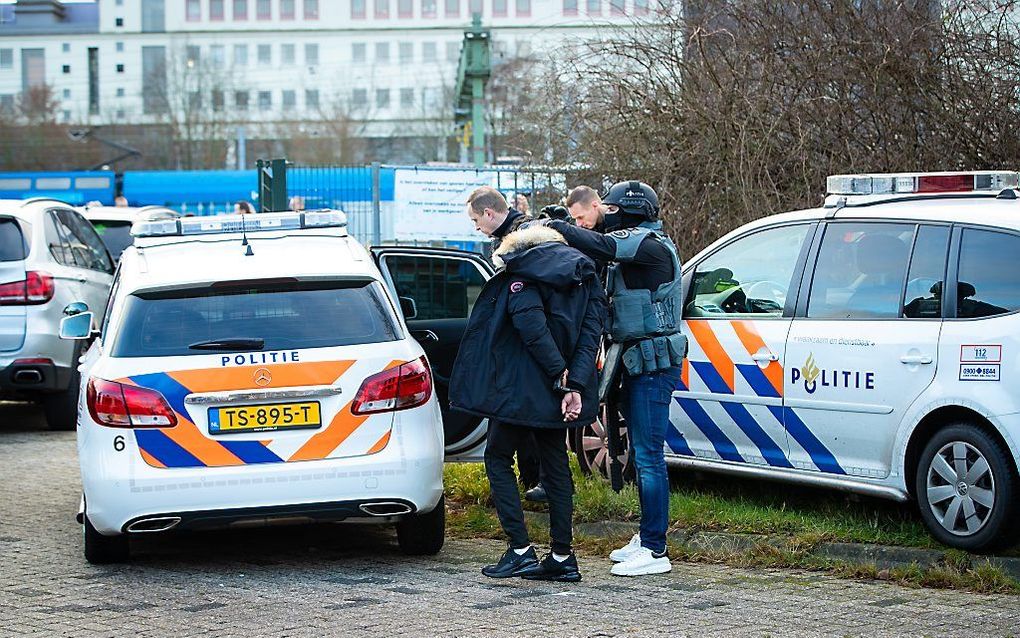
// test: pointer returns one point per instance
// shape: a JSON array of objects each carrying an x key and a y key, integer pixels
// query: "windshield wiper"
[{"x": 229, "y": 344}]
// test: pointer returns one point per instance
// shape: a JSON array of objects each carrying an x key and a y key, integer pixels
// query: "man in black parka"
[{"x": 527, "y": 362}]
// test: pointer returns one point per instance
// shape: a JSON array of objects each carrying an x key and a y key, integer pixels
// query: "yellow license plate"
[{"x": 260, "y": 418}]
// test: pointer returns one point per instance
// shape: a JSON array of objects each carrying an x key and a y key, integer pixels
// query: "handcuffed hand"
[{"x": 571, "y": 406}]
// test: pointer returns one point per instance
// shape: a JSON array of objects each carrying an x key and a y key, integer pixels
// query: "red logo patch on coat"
[{"x": 517, "y": 286}]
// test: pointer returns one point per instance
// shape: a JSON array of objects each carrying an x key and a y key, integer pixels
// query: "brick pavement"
[{"x": 351, "y": 581}]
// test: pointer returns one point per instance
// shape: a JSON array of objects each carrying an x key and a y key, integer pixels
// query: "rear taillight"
[
  {"x": 126, "y": 406},
  {"x": 400, "y": 388},
  {"x": 35, "y": 288}
]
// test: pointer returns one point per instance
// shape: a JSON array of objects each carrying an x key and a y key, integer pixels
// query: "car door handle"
[
  {"x": 764, "y": 356},
  {"x": 424, "y": 335},
  {"x": 916, "y": 359}
]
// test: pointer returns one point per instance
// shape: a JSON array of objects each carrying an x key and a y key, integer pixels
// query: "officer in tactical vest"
[{"x": 644, "y": 286}]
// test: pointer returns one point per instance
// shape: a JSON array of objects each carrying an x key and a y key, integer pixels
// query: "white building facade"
[{"x": 386, "y": 66}]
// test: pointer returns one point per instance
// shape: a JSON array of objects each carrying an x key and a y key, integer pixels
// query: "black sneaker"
[
  {"x": 536, "y": 494},
  {"x": 560, "y": 571},
  {"x": 512, "y": 564}
]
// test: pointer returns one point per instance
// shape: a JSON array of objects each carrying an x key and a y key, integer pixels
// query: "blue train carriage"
[{"x": 74, "y": 187}]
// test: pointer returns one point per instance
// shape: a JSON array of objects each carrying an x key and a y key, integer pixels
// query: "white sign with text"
[{"x": 430, "y": 204}]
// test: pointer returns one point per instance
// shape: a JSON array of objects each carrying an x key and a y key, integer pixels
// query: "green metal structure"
[{"x": 473, "y": 73}]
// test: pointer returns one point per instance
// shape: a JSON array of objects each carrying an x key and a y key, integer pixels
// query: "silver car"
[{"x": 50, "y": 258}]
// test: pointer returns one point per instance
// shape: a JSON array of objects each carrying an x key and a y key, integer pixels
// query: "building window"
[
  {"x": 382, "y": 98},
  {"x": 641, "y": 7},
  {"x": 217, "y": 100},
  {"x": 265, "y": 54},
  {"x": 311, "y": 9},
  {"x": 406, "y": 98},
  {"x": 287, "y": 56},
  {"x": 216, "y": 9},
  {"x": 594, "y": 7},
  {"x": 358, "y": 9},
  {"x": 66, "y": 68},
  {"x": 358, "y": 51},
  {"x": 264, "y": 9},
  {"x": 265, "y": 100},
  {"x": 287, "y": 9},
  {"x": 120, "y": 68},
  {"x": 429, "y": 52},
  {"x": 218, "y": 56},
  {"x": 6, "y": 58},
  {"x": 499, "y": 8},
  {"x": 382, "y": 52},
  {"x": 66, "y": 47},
  {"x": 382, "y": 9},
  {"x": 359, "y": 98},
  {"x": 241, "y": 100},
  {"x": 193, "y": 10},
  {"x": 617, "y": 7},
  {"x": 289, "y": 99},
  {"x": 428, "y": 8},
  {"x": 524, "y": 8},
  {"x": 120, "y": 114},
  {"x": 312, "y": 54},
  {"x": 154, "y": 79},
  {"x": 93, "y": 80},
  {"x": 120, "y": 91},
  {"x": 405, "y": 52},
  {"x": 240, "y": 9},
  {"x": 311, "y": 99},
  {"x": 452, "y": 51},
  {"x": 570, "y": 7},
  {"x": 405, "y": 8},
  {"x": 6, "y": 103},
  {"x": 67, "y": 94},
  {"x": 195, "y": 101},
  {"x": 153, "y": 16},
  {"x": 452, "y": 8},
  {"x": 476, "y": 6},
  {"x": 120, "y": 47},
  {"x": 193, "y": 55},
  {"x": 240, "y": 55},
  {"x": 118, "y": 22}
]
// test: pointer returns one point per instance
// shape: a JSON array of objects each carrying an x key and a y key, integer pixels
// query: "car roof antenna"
[{"x": 244, "y": 239}]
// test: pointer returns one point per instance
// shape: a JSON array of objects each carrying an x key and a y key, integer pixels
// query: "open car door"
[{"x": 437, "y": 288}]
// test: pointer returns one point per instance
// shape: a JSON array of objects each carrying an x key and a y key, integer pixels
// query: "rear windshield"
[
  {"x": 286, "y": 316},
  {"x": 12, "y": 242},
  {"x": 115, "y": 235}
]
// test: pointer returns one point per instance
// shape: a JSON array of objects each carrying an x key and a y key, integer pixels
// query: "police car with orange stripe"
[
  {"x": 267, "y": 368},
  {"x": 869, "y": 345}
]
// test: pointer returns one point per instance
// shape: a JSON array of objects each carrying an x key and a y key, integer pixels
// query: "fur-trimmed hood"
[{"x": 541, "y": 254}]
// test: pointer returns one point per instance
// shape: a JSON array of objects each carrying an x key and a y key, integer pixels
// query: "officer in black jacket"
[
  {"x": 527, "y": 362},
  {"x": 646, "y": 300}
]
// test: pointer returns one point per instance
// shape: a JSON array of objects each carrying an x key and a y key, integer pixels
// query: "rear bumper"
[{"x": 30, "y": 378}]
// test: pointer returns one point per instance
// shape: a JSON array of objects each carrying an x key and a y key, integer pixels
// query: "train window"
[
  {"x": 54, "y": 183},
  {"x": 92, "y": 182},
  {"x": 16, "y": 184}
]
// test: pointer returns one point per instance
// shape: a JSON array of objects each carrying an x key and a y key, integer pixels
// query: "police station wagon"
[
  {"x": 264, "y": 369},
  {"x": 870, "y": 345}
]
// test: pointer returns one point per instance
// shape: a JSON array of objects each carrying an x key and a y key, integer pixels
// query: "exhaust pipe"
[
  {"x": 28, "y": 375},
  {"x": 156, "y": 524},
  {"x": 385, "y": 509}
]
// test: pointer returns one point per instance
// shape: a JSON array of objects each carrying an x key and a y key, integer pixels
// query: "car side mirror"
[
  {"x": 77, "y": 326},
  {"x": 75, "y": 308},
  {"x": 408, "y": 307}
]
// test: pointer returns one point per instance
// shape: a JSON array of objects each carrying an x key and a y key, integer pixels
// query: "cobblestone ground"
[{"x": 351, "y": 581}]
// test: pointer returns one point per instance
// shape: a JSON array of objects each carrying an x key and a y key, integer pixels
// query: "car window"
[
  {"x": 88, "y": 249},
  {"x": 860, "y": 271},
  {"x": 116, "y": 236},
  {"x": 927, "y": 273},
  {"x": 286, "y": 315},
  {"x": 442, "y": 287},
  {"x": 989, "y": 282},
  {"x": 750, "y": 276},
  {"x": 60, "y": 240},
  {"x": 13, "y": 244}
]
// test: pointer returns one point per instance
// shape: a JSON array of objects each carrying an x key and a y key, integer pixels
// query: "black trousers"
[
  {"x": 551, "y": 444},
  {"x": 527, "y": 462}
]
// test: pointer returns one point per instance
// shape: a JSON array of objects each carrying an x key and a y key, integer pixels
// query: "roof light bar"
[
  {"x": 904, "y": 183},
  {"x": 224, "y": 224}
]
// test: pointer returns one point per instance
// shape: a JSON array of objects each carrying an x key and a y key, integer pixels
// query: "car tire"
[
  {"x": 103, "y": 550},
  {"x": 61, "y": 408},
  {"x": 959, "y": 463},
  {"x": 423, "y": 534}
]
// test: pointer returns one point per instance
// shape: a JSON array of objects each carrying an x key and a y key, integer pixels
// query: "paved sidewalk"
[{"x": 351, "y": 581}]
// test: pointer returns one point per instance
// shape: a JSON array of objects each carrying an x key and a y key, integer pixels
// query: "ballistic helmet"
[{"x": 634, "y": 198}]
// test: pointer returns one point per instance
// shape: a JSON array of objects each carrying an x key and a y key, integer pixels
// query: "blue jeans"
[{"x": 644, "y": 402}]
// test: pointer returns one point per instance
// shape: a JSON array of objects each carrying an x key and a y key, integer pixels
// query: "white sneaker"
[
  {"x": 642, "y": 563},
  {"x": 625, "y": 552}
]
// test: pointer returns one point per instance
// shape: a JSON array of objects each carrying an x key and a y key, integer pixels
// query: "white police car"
[
  {"x": 263, "y": 369},
  {"x": 870, "y": 345}
]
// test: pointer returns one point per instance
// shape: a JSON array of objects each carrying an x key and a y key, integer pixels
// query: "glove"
[{"x": 555, "y": 211}]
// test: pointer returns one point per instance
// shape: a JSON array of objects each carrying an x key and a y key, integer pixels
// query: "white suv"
[
  {"x": 868, "y": 345},
  {"x": 261, "y": 368},
  {"x": 50, "y": 257}
]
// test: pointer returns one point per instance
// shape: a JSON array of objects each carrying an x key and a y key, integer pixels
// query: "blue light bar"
[{"x": 227, "y": 224}]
